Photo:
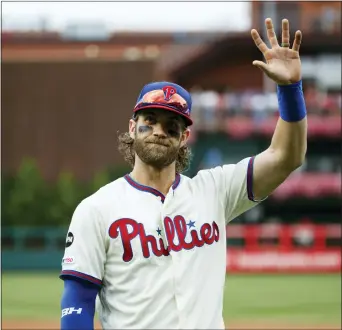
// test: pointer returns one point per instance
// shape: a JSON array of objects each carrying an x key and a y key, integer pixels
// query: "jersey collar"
[{"x": 151, "y": 190}]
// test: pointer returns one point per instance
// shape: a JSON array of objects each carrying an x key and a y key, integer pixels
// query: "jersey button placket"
[
  {"x": 175, "y": 269},
  {"x": 176, "y": 265},
  {"x": 163, "y": 214},
  {"x": 173, "y": 254}
]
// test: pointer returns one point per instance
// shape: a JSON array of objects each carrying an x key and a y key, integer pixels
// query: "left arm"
[
  {"x": 241, "y": 186},
  {"x": 285, "y": 154},
  {"x": 289, "y": 142}
]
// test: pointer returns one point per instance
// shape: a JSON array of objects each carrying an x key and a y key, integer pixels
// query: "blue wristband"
[{"x": 291, "y": 102}]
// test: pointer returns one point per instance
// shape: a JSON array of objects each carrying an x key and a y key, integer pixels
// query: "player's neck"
[{"x": 160, "y": 179}]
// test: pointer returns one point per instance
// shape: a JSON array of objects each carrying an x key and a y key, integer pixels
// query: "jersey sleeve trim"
[
  {"x": 80, "y": 275},
  {"x": 250, "y": 180}
]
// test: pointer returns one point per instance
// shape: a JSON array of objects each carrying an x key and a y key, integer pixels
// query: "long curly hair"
[{"x": 126, "y": 148}]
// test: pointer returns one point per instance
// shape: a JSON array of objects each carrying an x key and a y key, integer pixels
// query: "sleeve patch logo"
[
  {"x": 69, "y": 239},
  {"x": 68, "y": 260}
]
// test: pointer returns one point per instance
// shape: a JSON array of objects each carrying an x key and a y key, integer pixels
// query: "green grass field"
[{"x": 274, "y": 299}]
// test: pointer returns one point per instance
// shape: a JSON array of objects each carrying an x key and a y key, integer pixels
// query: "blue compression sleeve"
[{"x": 78, "y": 304}]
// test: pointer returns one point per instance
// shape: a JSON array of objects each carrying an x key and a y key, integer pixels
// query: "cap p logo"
[
  {"x": 168, "y": 92},
  {"x": 165, "y": 95}
]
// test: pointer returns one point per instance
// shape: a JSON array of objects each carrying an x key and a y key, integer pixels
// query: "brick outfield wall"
[{"x": 67, "y": 114}]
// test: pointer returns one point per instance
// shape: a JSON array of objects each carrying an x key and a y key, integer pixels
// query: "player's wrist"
[{"x": 291, "y": 102}]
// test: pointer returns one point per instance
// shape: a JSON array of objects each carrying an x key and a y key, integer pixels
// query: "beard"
[{"x": 156, "y": 152}]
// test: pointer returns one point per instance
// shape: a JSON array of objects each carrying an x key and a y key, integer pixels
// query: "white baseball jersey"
[{"x": 160, "y": 260}]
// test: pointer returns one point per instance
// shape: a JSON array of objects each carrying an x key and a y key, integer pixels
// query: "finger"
[
  {"x": 258, "y": 41},
  {"x": 261, "y": 65},
  {"x": 297, "y": 41},
  {"x": 285, "y": 36},
  {"x": 270, "y": 33}
]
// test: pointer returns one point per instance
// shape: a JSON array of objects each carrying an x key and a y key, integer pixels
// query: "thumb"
[{"x": 261, "y": 65}]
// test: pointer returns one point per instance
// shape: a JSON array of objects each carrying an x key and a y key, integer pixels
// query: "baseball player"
[{"x": 151, "y": 246}]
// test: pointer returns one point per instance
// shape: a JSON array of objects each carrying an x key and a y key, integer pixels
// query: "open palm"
[{"x": 282, "y": 63}]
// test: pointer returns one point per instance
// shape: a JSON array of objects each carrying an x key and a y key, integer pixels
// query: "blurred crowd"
[{"x": 210, "y": 105}]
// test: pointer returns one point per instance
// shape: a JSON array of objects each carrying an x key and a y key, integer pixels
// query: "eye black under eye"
[
  {"x": 174, "y": 126},
  {"x": 174, "y": 130}
]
